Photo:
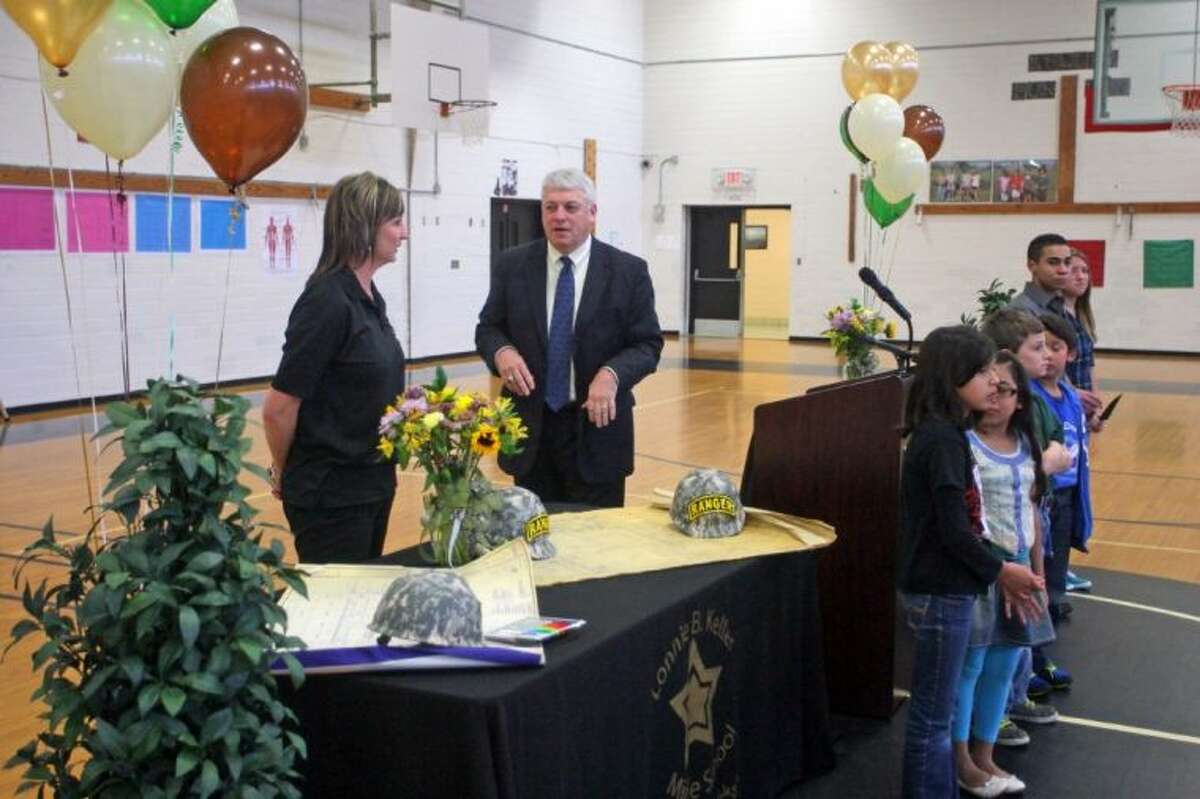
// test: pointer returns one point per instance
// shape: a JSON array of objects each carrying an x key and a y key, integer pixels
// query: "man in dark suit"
[{"x": 570, "y": 327}]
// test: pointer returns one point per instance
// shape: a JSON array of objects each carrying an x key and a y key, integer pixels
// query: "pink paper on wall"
[
  {"x": 100, "y": 220},
  {"x": 26, "y": 219}
]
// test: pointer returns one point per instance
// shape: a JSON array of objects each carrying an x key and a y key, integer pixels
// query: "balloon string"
[
  {"x": 171, "y": 238},
  {"x": 118, "y": 270},
  {"x": 224, "y": 309},
  {"x": 62, "y": 266}
]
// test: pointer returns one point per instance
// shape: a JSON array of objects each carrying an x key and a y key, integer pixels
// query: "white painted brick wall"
[
  {"x": 551, "y": 97},
  {"x": 779, "y": 116}
]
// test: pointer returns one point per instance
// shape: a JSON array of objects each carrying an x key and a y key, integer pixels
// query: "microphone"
[{"x": 868, "y": 276}]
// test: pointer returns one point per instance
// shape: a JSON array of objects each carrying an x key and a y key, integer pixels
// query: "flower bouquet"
[
  {"x": 447, "y": 432},
  {"x": 847, "y": 327}
]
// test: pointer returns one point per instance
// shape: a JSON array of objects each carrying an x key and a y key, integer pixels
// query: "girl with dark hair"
[
  {"x": 1077, "y": 302},
  {"x": 341, "y": 367},
  {"x": 1006, "y": 453},
  {"x": 945, "y": 562}
]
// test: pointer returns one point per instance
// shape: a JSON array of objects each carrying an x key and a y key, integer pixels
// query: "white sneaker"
[{"x": 995, "y": 786}]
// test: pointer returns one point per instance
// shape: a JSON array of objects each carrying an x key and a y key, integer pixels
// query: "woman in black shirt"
[{"x": 341, "y": 367}]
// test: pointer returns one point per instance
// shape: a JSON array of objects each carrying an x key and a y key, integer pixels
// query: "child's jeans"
[{"x": 942, "y": 626}]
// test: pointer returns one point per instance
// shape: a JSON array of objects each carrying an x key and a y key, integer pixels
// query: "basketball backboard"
[
  {"x": 436, "y": 58},
  {"x": 1141, "y": 46}
]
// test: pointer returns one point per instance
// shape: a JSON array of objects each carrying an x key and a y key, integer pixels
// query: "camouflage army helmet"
[
  {"x": 706, "y": 505},
  {"x": 432, "y": 606},
  {"x": 521, "y": 515}
]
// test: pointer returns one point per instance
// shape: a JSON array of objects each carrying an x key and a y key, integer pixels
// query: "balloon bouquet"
[
  {"x": 112, "y": 70},
  {"x": 895, "y": 145}
]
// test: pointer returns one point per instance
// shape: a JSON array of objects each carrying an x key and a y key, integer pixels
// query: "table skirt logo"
[{"x": 687, "y": 681}]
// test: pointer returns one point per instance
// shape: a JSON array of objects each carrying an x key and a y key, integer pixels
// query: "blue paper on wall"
[
  {"x": 151, "y": 216},
  {"x": 219, "y": 230}
]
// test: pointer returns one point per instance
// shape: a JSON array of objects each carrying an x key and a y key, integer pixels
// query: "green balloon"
[
  {"x": 846, "y": 140},
  {"x": 882, "y": 211},
  {"x": 179, "y": 14}
]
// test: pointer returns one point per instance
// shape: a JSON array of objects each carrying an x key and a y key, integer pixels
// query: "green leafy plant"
[
  {"x": 159, "y": 640},
  {"x": 991, "y": 298}
]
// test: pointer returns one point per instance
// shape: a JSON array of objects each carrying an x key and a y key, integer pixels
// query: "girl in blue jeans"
[
  {"x": 1010, "y": 470},
  {"x": 945, "y": 562}
]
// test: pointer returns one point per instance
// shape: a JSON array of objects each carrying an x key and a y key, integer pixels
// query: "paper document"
[{"x": 342, "y": 599}]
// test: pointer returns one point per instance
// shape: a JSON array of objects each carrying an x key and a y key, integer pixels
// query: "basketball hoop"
[
  {"x": 1184, "y": 102},
  {"x": 469, "y": 117}
]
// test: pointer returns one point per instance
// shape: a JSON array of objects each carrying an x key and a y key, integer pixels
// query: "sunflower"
[{"x": 485, "y": 440}]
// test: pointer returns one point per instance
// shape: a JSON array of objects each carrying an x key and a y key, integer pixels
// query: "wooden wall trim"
[
  {"x": 17, "y": 175},
  {"x": 1068, "y": 100},
  {"x": 322, "y": 97}
]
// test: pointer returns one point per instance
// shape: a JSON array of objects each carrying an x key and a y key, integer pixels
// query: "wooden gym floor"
[{"x": 696, "y": 410}]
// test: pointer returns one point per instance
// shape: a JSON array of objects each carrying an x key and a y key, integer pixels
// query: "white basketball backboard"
[
  {"x": 1142, "y": 46},
  {"x": 436, "y": 57}
]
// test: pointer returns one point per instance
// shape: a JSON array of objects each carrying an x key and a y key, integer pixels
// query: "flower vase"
[
  {"x": 860, "y": 364},
  {"x": 456, "y": 512}
]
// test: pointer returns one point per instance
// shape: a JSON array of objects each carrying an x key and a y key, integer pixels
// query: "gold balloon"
[
  {"x": 867, "y": 69},
  {"x": 57, "y": 27},
  {"x": 906, "y": 67}
]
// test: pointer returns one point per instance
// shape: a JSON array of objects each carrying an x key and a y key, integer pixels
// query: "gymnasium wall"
[
  {"x": 560, "y": 74},
  {"x": 757, "y": 85}
]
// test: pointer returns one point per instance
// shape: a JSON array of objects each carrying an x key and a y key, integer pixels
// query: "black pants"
[
  {"x": 555, "y": 475},
  {"x": 352, "y": 534},
  {"x": 1062, "y": 522}
]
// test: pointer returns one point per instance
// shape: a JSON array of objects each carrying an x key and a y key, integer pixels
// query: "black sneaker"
[{"x": 1011, "y": 735}]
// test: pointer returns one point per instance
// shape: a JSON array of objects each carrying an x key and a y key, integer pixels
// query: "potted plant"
[
  {"x": 447, "y": 432},
  {"x": 992, "y": 298},
  {"x": 159, "y": 639}
]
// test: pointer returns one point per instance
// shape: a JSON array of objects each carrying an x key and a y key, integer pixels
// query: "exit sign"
[{"x": 733, "y": 179}]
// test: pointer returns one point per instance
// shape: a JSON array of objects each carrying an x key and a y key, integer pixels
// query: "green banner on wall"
[{"x": 1168, "y": 264}]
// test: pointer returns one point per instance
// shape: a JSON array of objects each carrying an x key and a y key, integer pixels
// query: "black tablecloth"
[{"x": 708, "y": 676}]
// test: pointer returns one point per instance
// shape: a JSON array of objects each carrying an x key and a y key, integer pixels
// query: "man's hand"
[
  {"x": 1091, "y": 401},
  {"x": 601, "y": 403},
  {"x": 513, "y": 371},
  {"x": 1055, "y": 458}
]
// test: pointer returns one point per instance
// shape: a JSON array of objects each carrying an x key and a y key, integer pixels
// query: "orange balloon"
[
  {"x": 925, "y": 126},
  {"x": 244, "y": 98},
  {"x": 57, "y": 27},
  {"x": 906, "y": 68},
  {"x": 867, "y": 69}
]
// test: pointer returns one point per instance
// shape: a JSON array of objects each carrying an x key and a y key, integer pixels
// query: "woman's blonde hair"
[
  {"x": 1083, "y": 303},
  {"x": 357, "y": 206}
]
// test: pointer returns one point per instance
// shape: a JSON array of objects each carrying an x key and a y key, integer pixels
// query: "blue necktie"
[{"x": 561, "y": 340}]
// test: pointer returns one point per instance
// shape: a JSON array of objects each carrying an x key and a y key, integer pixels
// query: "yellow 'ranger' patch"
[
  {"x": 710, "y": 503},
  {"x": 537, "y": 527}
]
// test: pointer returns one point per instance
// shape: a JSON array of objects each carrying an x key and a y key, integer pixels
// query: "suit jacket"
[{"x": 616, "y": 326}]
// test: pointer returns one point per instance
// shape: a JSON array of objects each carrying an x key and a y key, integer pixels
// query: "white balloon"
[
  {"x": 876, "y": 123},
  {"x": 122, "y": 83},
  {"x": 221, "y": 16},
  {"x": 902, "y": 172}
]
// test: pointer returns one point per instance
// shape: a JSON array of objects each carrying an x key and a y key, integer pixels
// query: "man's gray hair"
[{"x": 570, "y": 179}]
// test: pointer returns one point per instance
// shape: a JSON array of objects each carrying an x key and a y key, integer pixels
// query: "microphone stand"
[{"x": 904, "y": 357}]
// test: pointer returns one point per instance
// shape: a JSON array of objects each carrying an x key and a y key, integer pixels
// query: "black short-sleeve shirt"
[{"x": 342, "y": 359}]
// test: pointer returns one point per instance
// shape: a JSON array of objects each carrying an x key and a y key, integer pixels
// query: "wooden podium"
[{"x": 834, "y": 455}]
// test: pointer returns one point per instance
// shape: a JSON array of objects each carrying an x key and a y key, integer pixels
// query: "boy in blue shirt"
[{"x": 1071, "y": 514}]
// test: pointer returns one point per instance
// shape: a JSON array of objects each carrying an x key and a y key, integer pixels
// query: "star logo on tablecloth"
[{"x": 693, "y": 704}]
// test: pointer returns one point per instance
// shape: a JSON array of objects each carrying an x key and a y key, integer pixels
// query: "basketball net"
[
  {"x": 1184, "y": 102},
  {"x": 469, "y": 118}
]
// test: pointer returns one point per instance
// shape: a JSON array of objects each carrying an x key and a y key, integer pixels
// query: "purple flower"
[
  {"x": 414, "y": 392},
  {"x": 415, "y": 404}
]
